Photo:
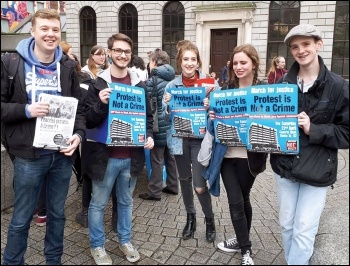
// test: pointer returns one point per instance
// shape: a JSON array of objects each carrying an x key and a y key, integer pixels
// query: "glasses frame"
[{"x": 126, "y": 52}]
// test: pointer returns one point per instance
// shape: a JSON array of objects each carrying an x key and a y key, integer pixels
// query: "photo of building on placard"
[
  {"x": 182, "y": 126},
  {"x": 53, "y": 130},
  {"x": 121, "y": 132},
  {"x": 263, "y": 138},
  {"x": 227, "y": 135}
]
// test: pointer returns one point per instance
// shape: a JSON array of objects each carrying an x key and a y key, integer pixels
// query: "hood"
[
  {"x": 106, "y": 75},
  {"x": 165, "y": 72},
  {"x": 26, "y": 49}
]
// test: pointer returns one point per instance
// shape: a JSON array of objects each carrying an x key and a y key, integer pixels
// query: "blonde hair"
[
  {"x": 274, "y": 63},
  {"x": 65, "y": 46},
  {"x": 45, "y": 13}
]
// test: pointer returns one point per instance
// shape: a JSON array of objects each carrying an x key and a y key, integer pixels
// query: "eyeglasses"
[
  {"x": 118, "y": 51},
  {"x": 100, "y": 54}
]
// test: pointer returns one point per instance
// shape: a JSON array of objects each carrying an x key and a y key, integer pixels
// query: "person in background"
[
  {"x": 224, "y": 73},
  {"x": 20, "y": 108},
  {"x": 97, "y": 62},
  {"x": 161, "y": 74},
  {"x": 239, "y": 168},
  {"x": 213, "y": 75},
  {"x": 190, "y": 170},
  {"x": 138, "y": 65},
  {"x": 67, "y": 49},
  {"x": 302, "y": 180},
  {"x": 113, "y": 165},
  {"x": 277, "y": 69}
]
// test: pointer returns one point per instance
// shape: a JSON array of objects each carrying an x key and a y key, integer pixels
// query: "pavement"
[{"x": 157, "y": 229}]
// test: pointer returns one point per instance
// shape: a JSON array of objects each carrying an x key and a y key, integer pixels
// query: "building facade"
[{"x": 216, "y": 27}]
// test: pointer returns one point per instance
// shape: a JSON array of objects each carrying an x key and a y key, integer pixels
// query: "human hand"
[
  {"x": 211, "y": 115},
  {"x": 38, "y": 109},
  {"x": 304, "y": 122},
  {"x": 149, "y": 143},
  {"x": 105, "y": 95},
  {"x": 167, "y": 97},
  {"x": 206, "y": 103},
  {"x": 73, "y": 143}
]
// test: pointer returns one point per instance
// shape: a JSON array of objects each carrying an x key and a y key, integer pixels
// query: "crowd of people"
[{"x": 112, "y": 171}]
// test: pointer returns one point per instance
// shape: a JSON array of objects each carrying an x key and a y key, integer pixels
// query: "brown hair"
[
  {"x": 251, "y": 52},
  {"x": 97, "y": 49},
  {"x": 65, "y": 46},
  {"x": 160, "y": 57},
  {"x": 119, "y": 37},
  {"x": 45, "y": 13},
  {"x": 182, "y": 48}
]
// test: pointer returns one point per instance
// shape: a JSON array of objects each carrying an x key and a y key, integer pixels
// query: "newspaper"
[{"x": 53, "y": 130}]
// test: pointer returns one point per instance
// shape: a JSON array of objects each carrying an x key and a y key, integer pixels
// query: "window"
[
  {"x": 283, "y": 15},
  {"x": 88, "y": 37},
  {"x": 340, "y": 55},
  {"x": 128, "y": 24},
  {"x": 173, "y": 29}
]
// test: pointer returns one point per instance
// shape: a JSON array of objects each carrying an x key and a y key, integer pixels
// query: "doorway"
[{"x": 222, "y": 43}]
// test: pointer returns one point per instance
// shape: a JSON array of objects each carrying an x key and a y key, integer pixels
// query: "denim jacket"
[{"x": 256, "y": 163}]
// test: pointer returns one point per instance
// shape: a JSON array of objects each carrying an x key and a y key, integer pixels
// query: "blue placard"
[
  {"x": 188, "y": 115},
  {"x": 230, "y": 108},
  {"x": 126, "y": 122},
  {"x": 272, "y": 124}
]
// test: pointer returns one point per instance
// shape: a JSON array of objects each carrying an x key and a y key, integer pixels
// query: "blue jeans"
[
  {"x": 29, "y": 175},
  {"x": 300, "y": 209},
  {"x": 118, "y": 171}
]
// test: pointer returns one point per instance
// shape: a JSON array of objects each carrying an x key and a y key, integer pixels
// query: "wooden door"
[{"x": 222, "y": 43}]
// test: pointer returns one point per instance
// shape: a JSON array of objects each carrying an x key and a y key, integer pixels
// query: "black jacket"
[
  {"x": 95, "y": 154},
  {"x": 18, "y": 130},
  {"x": 327, "y": 105}
]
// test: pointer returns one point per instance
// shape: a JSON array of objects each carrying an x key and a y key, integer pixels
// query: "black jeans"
[{"x": 238, "y": 182}]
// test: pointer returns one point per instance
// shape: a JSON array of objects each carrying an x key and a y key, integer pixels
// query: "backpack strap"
[{"x": 11, "y": 64}]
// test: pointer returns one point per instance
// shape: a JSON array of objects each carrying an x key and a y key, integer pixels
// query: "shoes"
[
  {"x": 130, "y": 252},
  {"x": 190, "y": 226},
  {"x": 41, "y": 220},
  {"x": 229, "y": 245},
  {"x": 168, "y": 191},
  {"x": 247, "y": 259},
  {"x": 145, "y": 196},
  {"x": 100, "y": 256},
  {"x": 210, "y": 232}
]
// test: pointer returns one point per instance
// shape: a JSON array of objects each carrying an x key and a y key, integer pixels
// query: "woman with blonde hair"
[
  {"x": 67, "y": 49},
  {"x": 276, "y": 70},
  {"x": 97, "y": 61}
]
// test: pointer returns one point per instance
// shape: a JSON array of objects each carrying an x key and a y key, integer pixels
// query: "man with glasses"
[{"x": 113, "y": 165}]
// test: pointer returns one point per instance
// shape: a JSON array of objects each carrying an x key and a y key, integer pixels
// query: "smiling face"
[
  {"x": 243, "y": 66},
  {"x": 189, "y": 63},
  {"x": 304, "y": 50},
  {"x": 121, "y": 60},
  {"x": 47, "y": 36}
]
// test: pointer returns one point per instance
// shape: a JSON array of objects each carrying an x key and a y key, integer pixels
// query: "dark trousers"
[{"x": 238, "y": 182}]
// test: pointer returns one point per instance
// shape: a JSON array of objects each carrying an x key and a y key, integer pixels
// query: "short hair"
[
  {"x": 45, "y": 13},
  {"x": 119, "y": 37},
  {"x": 160, "y": 57},
  {"x": 137, "y": 62},
  {"x": 65, "y": 46}
]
